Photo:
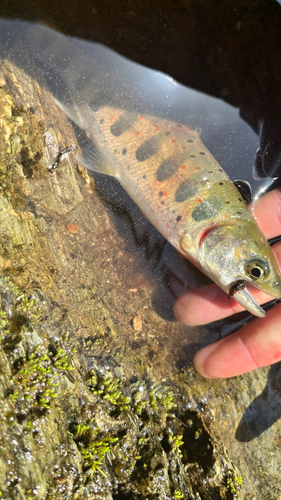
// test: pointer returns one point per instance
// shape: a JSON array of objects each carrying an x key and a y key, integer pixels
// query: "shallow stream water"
[{"x": 114, "y": 278}]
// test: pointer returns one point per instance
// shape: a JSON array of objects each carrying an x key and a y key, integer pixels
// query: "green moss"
[
  {"x": 92, "y": 449},
  {"x": 157, "y": 397},
  {"x": 35, "y": 380},
  {"x": 109, "y": 390},
  {"x": 26, "y": 309},
  {"x": 233, "y": 481},
  {"x": 176, "y": 442},
  {"x": 29, "y": 308},
  {"x": 178, "y": 494}
]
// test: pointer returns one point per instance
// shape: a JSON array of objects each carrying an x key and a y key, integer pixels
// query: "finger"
[
  {"x": 267, "y": 212},
  {"x": 256, "y": 344}
]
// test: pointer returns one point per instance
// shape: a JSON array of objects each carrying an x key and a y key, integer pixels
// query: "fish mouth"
[{"x": 245, "y": 299}]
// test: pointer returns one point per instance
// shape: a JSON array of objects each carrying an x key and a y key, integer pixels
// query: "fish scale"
[{"x": 184, "y": 192}]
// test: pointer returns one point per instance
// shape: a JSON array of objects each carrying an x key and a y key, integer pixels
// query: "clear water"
[
  {"x": 111, "y": 78},
  {"x": 80, "y": 71}
]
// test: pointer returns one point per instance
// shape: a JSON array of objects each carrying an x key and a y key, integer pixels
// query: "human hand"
[{"x": 257, "y": 343}]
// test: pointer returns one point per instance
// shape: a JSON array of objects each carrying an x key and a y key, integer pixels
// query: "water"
[
  {"x": 82, "y": 72},
  {"x": 105, "y": 264}
]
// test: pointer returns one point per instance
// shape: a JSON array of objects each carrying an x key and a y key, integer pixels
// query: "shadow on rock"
[{"x": 264, "y": 411}]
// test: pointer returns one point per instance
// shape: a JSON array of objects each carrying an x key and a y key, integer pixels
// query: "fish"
[{"x": 184, "y": 192}]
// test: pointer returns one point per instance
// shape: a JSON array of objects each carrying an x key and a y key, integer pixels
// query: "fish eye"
[{"x": 256, "y": 269}]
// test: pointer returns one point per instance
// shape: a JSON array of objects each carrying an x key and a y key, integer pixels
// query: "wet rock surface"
[{"x": 92, "y": 405}]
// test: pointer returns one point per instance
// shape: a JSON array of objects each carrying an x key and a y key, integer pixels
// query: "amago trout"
[{"x": 183, "y": 191}]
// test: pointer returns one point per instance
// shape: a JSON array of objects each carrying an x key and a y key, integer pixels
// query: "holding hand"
[{"x": 259, "y": 342}]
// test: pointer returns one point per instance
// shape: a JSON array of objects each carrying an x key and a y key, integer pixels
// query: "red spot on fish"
[
  {"x": 141, "y": 117},
  {"x": 184, "y": 147},
  {"x": 167, "y": 225},
  {"x": 112, "y": 118},
  {"x": 119, "y": 130},
  {"x": 197, "y": 168},
  {"x": 173, "y": 141},
  {"x": 138, "y": 133},
  {"x": 226, "y": 216},
  {"x": 196, "y": 183},
  {"x": 205, "y": 233},
  {"x": 157, "y": 129},
  {"x": 165, "y": 193},
  {"x": 199, "y": 200},
  {"x": 183, "y": 167}
]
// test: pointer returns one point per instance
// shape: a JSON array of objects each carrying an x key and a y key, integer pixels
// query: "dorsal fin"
[{"x": 244, "y": 189}]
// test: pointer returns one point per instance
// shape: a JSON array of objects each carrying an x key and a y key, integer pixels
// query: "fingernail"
[{"x": 207, "y": 361}]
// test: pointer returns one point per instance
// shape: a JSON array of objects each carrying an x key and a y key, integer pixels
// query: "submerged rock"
[{"x": 93, "y": 406}]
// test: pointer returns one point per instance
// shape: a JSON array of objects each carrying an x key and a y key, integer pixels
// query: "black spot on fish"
[
  {"x": 226, "y": 202},
  {"x": 161, "y": 193},
  {"x": 221, "y": 183},
  {"x": 239, "y": 199},
  {"x": 168, "y": 133},
  {"x": 201, "y": 212},
  {"x": 146, "y": 150},
  {"x": 120, "y": 127},
  {"x": 94, "y": 105},
  {"x": 166, "y": 169},
  {"x": 201, "y": 153},
  {"x": 239, "y": 213},
  {"x": 192, "y": 156},
  {"x": 210, "y": 171},
  {"x": 220, "y": 170},
  {"x": 178, "y": 218},
  {"x": 128, "y": 167},
  {"x": 162, "y": 202},
  {"x": 101, "y": 121},
  {"x": 124, "y": 151},
  {"x": 190, "y": 140},
  {"x": 115, "y": 151},
  {"x": 178, "y": 125},
  {"x": 183, "y": 192},
  {"x": 144, "y": 176}
]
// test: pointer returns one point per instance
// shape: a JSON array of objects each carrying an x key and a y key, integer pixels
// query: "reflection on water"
[{"x": 85, "y": 72}]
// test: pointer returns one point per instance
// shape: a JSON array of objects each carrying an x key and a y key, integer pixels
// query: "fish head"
[{"x": 236, "y": 255}]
